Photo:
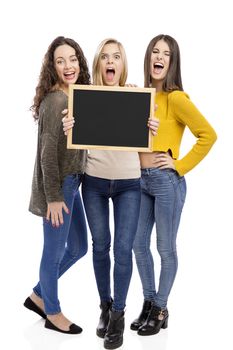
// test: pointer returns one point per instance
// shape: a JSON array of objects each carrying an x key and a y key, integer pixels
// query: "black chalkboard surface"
[{"x": 111, "y": 118}]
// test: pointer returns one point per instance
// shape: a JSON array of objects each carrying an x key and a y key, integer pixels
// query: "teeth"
[{"x": 158, "y": 64}]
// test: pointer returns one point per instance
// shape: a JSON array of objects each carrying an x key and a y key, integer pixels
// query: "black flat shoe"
[
  {"x": 74, "y": 329},
  {"x": 29, "y": 304}
]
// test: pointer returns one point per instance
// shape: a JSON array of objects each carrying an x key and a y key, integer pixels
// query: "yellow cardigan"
[{"x": 175, "y": 111}]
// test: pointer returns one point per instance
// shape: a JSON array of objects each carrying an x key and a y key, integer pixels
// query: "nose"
[
  {"x": 110, "y": 59},
  {"x": 67, "y": 64}
]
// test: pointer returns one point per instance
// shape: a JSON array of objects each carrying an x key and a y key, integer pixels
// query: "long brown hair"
[
  {"x": 173, "y": 80},
  {"x": 48, "y": 75}
]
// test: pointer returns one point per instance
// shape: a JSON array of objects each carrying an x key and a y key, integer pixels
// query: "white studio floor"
[
  {"x": 191, "y": 326},
  {"x": 200, "y": 304}
]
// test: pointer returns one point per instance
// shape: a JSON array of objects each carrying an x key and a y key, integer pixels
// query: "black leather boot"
[
  {"x": 138, "y": 322},
  {"x": 114, "y": 336},
  {"x": 104, "y": 318},
  {"x": 157, "y": 319}
]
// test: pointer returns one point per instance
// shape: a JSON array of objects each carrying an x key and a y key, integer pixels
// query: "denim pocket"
[
  {"x": 173, "y": 175},
  {"x": 178, "y": 182}
]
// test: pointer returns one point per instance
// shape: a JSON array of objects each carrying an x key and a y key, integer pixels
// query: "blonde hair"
[{"x": 96, "y": 74}]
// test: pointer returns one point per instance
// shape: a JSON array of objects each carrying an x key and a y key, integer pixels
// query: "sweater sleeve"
[
  {"x": 187, "y": 114},
  {"x": 50, "y": 117}
]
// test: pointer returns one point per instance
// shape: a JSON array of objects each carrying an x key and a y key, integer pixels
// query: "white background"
[{"x": 200, "y": 304}]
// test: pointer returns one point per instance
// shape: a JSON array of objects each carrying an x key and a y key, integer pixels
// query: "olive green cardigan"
[{"x": 53, "y": 160}]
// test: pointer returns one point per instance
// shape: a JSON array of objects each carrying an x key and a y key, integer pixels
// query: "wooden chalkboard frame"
[{"x": 125, "y": 98}]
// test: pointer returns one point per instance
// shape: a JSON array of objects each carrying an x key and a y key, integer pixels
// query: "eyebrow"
[
  {"x": 155, "y": 48},
  {"x": 114, "y": 53},
  {"x": 59, "y": 57},
  {"x": 165, "y": 51}
]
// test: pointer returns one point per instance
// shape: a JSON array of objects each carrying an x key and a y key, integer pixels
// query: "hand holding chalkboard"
[
  {"x": 68, "y": 122},
  {"x": 111, "y": 118}
]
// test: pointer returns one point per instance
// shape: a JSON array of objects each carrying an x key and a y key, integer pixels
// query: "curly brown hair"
[{"x": 48, "y": 75}]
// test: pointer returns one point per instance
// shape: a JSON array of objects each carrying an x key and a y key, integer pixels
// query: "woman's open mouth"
[
  {"x": 110, "y": 73},
  {"x": 158, "y": 67}
]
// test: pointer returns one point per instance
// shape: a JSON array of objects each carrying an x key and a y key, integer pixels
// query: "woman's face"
[
  {"x": 111, "y": 64},
  {"x": 159, "y": 63},
  {"x": 66, "y": 65}
]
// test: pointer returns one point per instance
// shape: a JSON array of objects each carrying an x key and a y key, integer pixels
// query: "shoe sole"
[
  {"x": 101, "y": 334},
  {"x": 153, "y": 333},
  {"x": 135, "y": 328},
  {"x": 74, "y": 329},
  {"x": 113, "y": 346}
]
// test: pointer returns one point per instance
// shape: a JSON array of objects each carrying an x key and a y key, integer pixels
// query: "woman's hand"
[
  {"x": 68, "y": 122},
  {"x": 54, "y": 213},
  {"x": 163, "y": 160},
  {"x": 131, "y": 85},
  {"x": 153, "y": 125}
]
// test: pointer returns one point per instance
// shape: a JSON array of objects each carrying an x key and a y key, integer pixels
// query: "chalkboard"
[{"x": 111, "y": 118}]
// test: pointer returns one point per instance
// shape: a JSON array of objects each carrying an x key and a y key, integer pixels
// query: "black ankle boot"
[
  {"x": 157, "y": 319},
  {"x": 104, "y": 318},
  {"x": 143, "y": 315},
  {"x": 114, "y": 336}
]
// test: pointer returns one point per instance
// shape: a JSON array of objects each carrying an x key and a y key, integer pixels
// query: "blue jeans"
[
  {"x": 163, "y": 196},
  {"x": 63, "y": 246},
  {"x": 125, "y": 195}
]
